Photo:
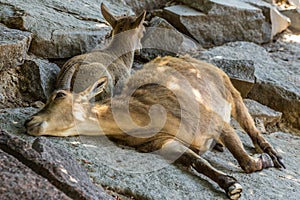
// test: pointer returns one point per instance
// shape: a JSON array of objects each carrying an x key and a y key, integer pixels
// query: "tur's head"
[
  {"x": 130, "y": 27},
  {"x": 63, "y": 111},
  {"x": 123, "y": 23}
]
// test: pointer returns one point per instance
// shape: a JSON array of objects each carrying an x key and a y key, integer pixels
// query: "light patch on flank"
[
  {"x": 161, "y": 69},
  {"x": 173, "y": 86},
  {"x": 222, "y": 107},
  {"x": 163, "y": 62},
  {"x": 198, "y": 95},
  {"x": 227, "y": 112},
  {"x": 100, "y": 109}
]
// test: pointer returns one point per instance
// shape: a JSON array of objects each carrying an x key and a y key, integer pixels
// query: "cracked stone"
[
  {"x": 81, "y": 29},
  {"x": 162, "y": 39},
  {"x": 14, "y": 45},
  {"x": 55, "y": 164},
  {"x": 20, "y": 182}
]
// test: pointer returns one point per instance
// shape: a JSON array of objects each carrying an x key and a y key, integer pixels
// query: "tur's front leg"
[{"x": 174, "y": 150}]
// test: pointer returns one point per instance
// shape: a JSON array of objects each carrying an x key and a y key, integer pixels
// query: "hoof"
[
  {"x": 266, "y": 160},
  {"x": 219, "y": 147},
  {"x": 234, "y": 191}
]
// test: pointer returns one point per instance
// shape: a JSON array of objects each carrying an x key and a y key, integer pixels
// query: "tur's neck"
[{"x": 123, "y": 47}]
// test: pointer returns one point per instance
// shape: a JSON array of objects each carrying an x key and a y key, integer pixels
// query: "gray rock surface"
[
  {"x": 55, "y": 164},
  {"x": 20, "y": 182},
  {"x": 14, "y": 45},
  {"x": 277, "y": 83},
  {"x": 210, "y": 26},
  {"x": 61, "y": 28},
  {"x": 23, "y": 85},
  {"x": 147, "y": 176},
  {"x": 278, "y": 21},
  {"x": 148, "y": 5},
  {"x": 262, "y": 115},
  {"x": 161, "y": 39},
  {"x": 10, "y": 95},
  {"x": 39, "y": 78}
]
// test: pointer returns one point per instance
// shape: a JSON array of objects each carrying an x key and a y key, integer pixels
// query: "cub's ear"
[
  {"x": 96, "y": 88},
  {"x": 140, "y": 19},
  {"x": 108, "y": 16}
]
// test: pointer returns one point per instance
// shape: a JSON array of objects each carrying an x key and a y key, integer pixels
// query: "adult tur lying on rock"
[{"x": 174, "y": 106}]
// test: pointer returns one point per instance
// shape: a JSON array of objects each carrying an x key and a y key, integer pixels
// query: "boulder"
[
  {"x": 20, "y": 182},
  {"x": 276, "y": 84},
  {"x": 61, "y": 29},
  {"x": 55, "y": 164},
  {"x": 38, "y": 78},
  {"x": 161, "y": 39},
  {"x": 23, "y": 85},
  {"x": 263, "y": 116},
  {"x": 208, "y": 21},
  {"x": 278, "y": 21},
  {"x": 14, "y": 45}
]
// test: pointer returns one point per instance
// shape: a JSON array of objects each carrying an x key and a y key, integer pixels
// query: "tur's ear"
[
  {"x": 140, "y": 19},
  {"x": 108, "y": 16},
  {"x": 96, "y": 88}
]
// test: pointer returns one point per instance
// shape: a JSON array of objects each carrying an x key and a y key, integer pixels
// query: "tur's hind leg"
[
  {"x": 174, "y": 150},
  {"x": 249, "y": 164},
  {"x": 241, "y": 114}
]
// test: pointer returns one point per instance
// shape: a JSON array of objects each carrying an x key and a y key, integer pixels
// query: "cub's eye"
[{"x": 60, "y": 95}]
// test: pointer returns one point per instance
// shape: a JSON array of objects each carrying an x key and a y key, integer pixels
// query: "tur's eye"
[{"x": 60, "y": 95}]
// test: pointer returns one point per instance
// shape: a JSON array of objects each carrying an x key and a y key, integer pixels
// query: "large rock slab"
[
  {"x": 20, "y": 182},
  {"x": 14, "y": 45},
  {"x": 211, "y": 28},
  {"x": 23, "y": 85},
  {"x": 278, "y": 21},
  {"x": 208, "y": 21},
  {"x": 38, "y": 78},
  {"x": 55, "y": 164},
  {"x": 147, "y": 176},
  {"x": 61, "y": 28},
  {"x": 161, "y": 39},
  {"x": 277, "y": 84}
]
